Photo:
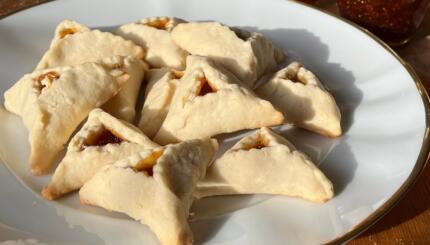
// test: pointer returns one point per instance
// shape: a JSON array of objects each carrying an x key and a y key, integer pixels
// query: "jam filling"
[
  {"x": 177, "y": 74},
  {"x": 103, "y": 138},
  {"x": 205, "y": 87},
  {"x": 51, "y": 76},
  {"x": 119, "y": 66},
  {"x": 146, "y": 165},
  {"x": 260, "y": 143},
  {"x": 68, "y": 31},
  {"x": 158, "y": 24},
  {"x": 295, "y": 79},
  {"x": 292, "y": 76}
]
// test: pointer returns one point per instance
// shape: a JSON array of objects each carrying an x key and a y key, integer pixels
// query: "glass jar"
[{"x": 395, "y": 21}]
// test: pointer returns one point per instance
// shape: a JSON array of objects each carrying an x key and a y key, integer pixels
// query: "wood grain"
[
  {"x": 409, "y": 221},
  {"x": 11, "y": 6}
]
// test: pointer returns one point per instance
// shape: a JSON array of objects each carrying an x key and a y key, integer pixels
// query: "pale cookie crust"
[
  {"x": 265, "y": 163},
  {"x": 66, "y": 28},
  {"x": 160, "y": 200},
  {"x": 153, "y": 34},
  {"x": 209, "y": 101},
  {"x": 53, "y": 102},
  {"x": 303, "y": 100},
  {"x": 123, "y": 105},
  {"x": 158, "y": 96},
  {"x": 82, "y": 161},
  {"x": 85, "y": 45},
  {"x": 248, "y": 55}
]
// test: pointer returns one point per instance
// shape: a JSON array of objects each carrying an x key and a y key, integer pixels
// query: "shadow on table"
[{"x": 424, "y": 29}]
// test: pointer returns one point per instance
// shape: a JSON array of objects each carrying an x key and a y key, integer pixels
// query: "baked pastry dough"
[
  {"x": 265, "y": 163},
  {"x": 209, "y": 101},
  {"x": 158, "y": 96},
  {"x": 154, "y": 187},
  {"x": 53, "y": 102},
  {"x": 154, "y": 35},
  {"x": 68, "y": 27},
  {"x": 302, "y": 98},
  {"x": 248, "y": 55},
  {"x": 101, "y": 141},
  {"x": 74, "y": 43},
  {"x": 123, "y": 105},
  {"x": 85, "y": 46}
]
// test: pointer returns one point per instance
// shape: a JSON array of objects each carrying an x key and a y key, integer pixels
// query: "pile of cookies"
[{"x": 198, "y": 80}]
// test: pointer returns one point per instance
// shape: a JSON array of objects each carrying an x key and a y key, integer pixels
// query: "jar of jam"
[{"x": 395, "y": 21}]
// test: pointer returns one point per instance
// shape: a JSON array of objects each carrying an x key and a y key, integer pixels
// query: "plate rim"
[{"x": 423, "y": 156}]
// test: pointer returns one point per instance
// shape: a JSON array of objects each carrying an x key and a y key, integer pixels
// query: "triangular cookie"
[
  {"x": 101, "y": 141},
  {"x": 265, "y": 163},
  {"x": 53, "y": 102},
  {"x": 209, "y": 101},
  {"x": 302, "y": 98},
  {"x": 154, "y": 187},
  {"x": 154, "y": 35},
  {"x": 73, "y": 48},
  {"x": 158, "y": 96},
  {"x": 68, "y": 27},
  {"x": 74, "y": 43},
  {"x": 248, "y": 55},
  {"x": 123, "y": 105}
]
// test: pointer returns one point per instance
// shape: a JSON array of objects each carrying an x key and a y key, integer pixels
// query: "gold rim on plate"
[{"x": 425, "y": 148}]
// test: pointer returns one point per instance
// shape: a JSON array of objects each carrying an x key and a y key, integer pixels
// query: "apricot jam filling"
[
  {"x": 205, "y": 87},
  {"x": 67, "y": 31},
  {"x": 177, "y": 74},
  {"x": 102, "y": 138},
  {"x": 45, "y": 79},
  {"x": 292, "y": 76},
  {"x": 146, "y": 165},
  {"x": 260, "y": 143},
  {"x": 158, "y": 24}
]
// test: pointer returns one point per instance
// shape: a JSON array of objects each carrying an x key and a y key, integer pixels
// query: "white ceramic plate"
[{"x": 381, "y": 153}]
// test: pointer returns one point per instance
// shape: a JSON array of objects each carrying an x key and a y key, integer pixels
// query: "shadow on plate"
[
  {"x": 205, "y": 230},
  {"x": 303, "y": 46},
  {"x": 307, "y": 48},
  {"x": 339, "y": 170},
  {"x": 217, "y": 210}
]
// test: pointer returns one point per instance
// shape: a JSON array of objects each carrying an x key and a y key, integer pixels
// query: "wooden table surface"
[{"x": 409, "y": 221}]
